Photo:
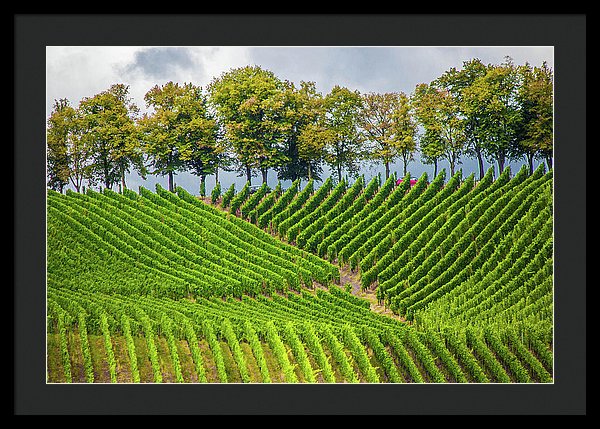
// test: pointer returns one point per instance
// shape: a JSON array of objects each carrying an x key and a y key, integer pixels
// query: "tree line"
[{"x": 250, "y": 121}]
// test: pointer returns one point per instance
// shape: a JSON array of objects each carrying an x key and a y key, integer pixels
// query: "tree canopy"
[
  {"x": 108, "y": 127},
  {"x": 387, "y": 125},
  {"x": 61, "y": 142},
  {"x": 180, "y": 134},
  {"x": 536, "y": 103},
  {"x": 251, "y": 106},
  {"x": 437, "y": 111}
]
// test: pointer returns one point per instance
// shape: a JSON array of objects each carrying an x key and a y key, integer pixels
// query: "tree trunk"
[
  {"x": 480, "y": 162},
  {"x": 216, "y": 175},
  {"x": 500, "y": 165},
  {"x": 170, "y": 174},
  {"x": 107, "y": 183},
  {"x": 309, "y": 171},
  {"x": 435, "y": 168},
  {"x": 549, "y": 162},
  {"x": 530, "y": 162},
  {"x": 387, "y": 170},
  {"x": 202, "y": 185},
  {"x": 265, "y": 172},
  {"x": 248, "y": 174},
  {"x": 123, "y": 179},
  {"x": 339, "y": 172}
]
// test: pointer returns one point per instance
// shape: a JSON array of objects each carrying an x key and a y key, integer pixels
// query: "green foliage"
[
  {"x": 304, "y": 106},
  {"x": 126, "y": 326},
  {"x": 437, "y": 110},
  {"x": 313, "y": 343},
  {"x": 338, "y": 354},
  {"x": 192, "y": 340},
  {"x": 60, "y": 316},
  {"x": 257, "y": 349},
  {"x": 108, "y": 126},
  {"x": 216, "y": 193},
  {"x": 281, "y": 203},
  {"x": 387, "y": 124},
  {"x": 352, "y": 341},
  {"x": 386, "y": 361},
  {"x": 250, "y": 120},
  {"x": 239, "y": 198},
  {"x": 228, "y": 196},
  {"x": 85, "y": 348},
  {"x": 250, "y": 103},
  {"x": 234, "y": 346},
  {"x": 252, "y": 202},
  {"x": 180, "y": 134},
  {"x": 493, "y": 98},
  {"x": 535, "y": 98},
  {"x": 280, "y": 352},
  {"x": 63, "y": 152},
  {"x": 343, "y": 150},
  {"x": 112, "y": 365},
  {"x": 291, "y": 337},
  {"x": 166, "y": 327},
  {"x": 394, "y": 340},
  {"x": 215, "y": 348},
  {"x": 295, "y": 204}
]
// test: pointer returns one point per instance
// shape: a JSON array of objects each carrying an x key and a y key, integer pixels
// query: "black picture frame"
[{"x": 33, "y": 32}]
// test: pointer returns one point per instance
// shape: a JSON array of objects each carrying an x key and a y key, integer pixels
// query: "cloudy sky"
[{"x": 75, "y": 72}]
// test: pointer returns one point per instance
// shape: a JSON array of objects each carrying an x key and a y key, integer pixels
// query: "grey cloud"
[{"x": 161, "y": 63}]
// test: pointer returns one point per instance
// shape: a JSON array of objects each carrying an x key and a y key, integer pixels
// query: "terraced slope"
[
  {"x": 162, "y": 243},
  {"x": 315, "y": 337},
  {"x": 442, "y": 253}
]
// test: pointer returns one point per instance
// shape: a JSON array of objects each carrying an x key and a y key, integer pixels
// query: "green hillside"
[{"x": 163, "y": 287}]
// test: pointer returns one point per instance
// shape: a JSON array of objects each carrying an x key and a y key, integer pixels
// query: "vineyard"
[{"x": 454, "y": 283}]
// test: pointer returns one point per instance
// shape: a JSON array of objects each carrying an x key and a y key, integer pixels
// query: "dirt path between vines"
[{"x": 348, "y": 277}]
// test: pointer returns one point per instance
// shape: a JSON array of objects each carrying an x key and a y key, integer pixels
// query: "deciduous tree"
[
  {"x": 108, "y": 126},
  {"x": 494, "y": 97},
  {"x": 303, "y": 106},
  {"x": 343, "y": 147},
  {"x": 535, "y": 97},
  {"x": 200, "y": 151},
  {"x": 456, "y": 81},
  {"x": 61, "y": 143},
  {"x": 386, "y": 123},
  {"x": 179, "y": 134},
  {"x": 250, "y": 103},
  {"x": 437, "y": 111}
]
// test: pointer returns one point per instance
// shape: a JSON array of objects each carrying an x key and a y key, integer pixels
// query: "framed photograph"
[{"x": 297, "y": 214}]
